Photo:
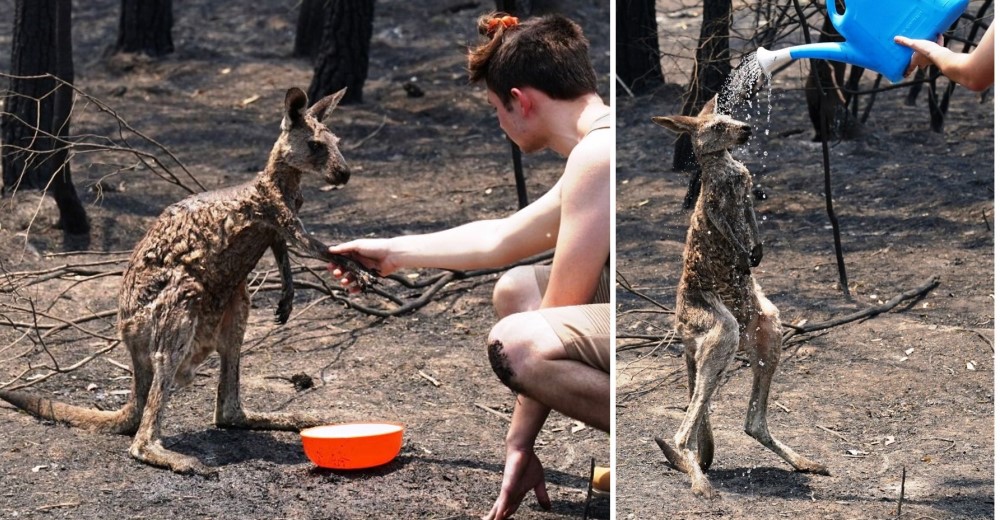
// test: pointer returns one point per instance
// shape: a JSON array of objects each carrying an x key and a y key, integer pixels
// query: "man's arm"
[
  {"x": 973, "y": 71},
  {"x": 476, "y": 245}
]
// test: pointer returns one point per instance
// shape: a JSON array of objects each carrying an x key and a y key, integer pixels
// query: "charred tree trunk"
[
  {"x": 520, "y": 8},
  {"x": 825, "y": 91},
  {"x": 36, "y": 158},
  {"x": 638, "y": 50},
  {"x": 343, "y": 54},
  {"x": 710, "y": 72},
  {"x": 145, "y": 26},
  {"x": 309, "y": 31},
  {"x": 514, "y": 7}
]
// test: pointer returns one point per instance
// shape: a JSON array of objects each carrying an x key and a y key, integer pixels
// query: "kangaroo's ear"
[
  {"x": 679, "y": 124},
  {"x": 709, "y": 108},
  {"x": 327, "y": 104},
  {"x": 295, "y": 101}
]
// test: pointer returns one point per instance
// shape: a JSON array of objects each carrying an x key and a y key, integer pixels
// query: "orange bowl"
[{"x": 352, "y": 445}]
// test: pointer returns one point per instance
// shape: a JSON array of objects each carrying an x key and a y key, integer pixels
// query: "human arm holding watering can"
[{"x": 973, "y": 70}]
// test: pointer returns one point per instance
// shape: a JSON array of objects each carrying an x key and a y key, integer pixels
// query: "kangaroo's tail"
[{"x": 124, "y": 420}]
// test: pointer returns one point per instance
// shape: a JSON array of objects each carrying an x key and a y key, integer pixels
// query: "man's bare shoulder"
[{"x": 592, "y": 154}]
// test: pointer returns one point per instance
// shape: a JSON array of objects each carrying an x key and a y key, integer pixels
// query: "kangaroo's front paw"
[{"x": 283, "y": 311}]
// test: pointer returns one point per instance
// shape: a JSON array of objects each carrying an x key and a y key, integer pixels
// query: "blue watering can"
[{"x": 869, "y": 27}]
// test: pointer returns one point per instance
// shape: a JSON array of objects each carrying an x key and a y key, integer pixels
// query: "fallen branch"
[
  {"x": 492, "y": 411},
  {"x": 918, "y": 292},
  {"x": 54, "y": 371}
]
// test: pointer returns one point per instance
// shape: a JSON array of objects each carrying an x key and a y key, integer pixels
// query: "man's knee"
[
  {"x": 518, "y": 343},
  {"x": 516, "y": 291},
  {"x": 500, "y": 362},
  {"x": 507, "y": 351}
]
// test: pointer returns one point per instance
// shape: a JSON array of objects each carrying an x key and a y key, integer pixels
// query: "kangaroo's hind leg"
[
  {"x": 706, "y": 443},
  {"x": 229, "y": 412},
  {"x": 711, "y": 336},
  {"x": 171, "y": 331},
  {"x": 763, "y": 345}
]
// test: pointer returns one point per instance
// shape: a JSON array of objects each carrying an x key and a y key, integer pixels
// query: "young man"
[{"x": 552, "y": 343}]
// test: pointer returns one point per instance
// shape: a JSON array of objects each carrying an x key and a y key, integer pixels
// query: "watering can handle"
[{"x": 835, "y": 17}]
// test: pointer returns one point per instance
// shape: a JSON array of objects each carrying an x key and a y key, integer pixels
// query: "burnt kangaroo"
[
  {"x": 720, "y": 308},
  {"x": 184, "y": 292}
]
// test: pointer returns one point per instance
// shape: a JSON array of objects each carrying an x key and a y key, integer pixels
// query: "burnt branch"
[
  {"x": 39, "y": 325},
  {"x": 627, "y": 341}
]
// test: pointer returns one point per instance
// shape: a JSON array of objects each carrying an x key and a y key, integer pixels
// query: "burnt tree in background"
[
  {"x": 33, "y": 157},
  {"x": 710, "y": 72},
  {"x": 515, "y": 7},
  {"x": 145, "y": 26},
  {"x": 826, "y": 91},
  {"x": 342, "y": 60},
  {"x": 638, "y": 51},
  {"x": 309, "y": 31}
]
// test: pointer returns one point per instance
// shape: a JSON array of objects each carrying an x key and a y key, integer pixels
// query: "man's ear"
[{"x": 521, "y": 100}]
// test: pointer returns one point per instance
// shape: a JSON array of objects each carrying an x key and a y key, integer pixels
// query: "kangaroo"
[
  {"x": 720, "y": 307},
  {"x": 184, "y": 292}
]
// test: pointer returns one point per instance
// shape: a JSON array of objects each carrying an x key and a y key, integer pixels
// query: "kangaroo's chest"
[{"x": 214, "y": 244}]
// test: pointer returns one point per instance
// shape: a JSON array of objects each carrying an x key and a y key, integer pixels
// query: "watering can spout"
[
  {"x": 836, "y": 51},
  {"x": 771, "y": 60}
]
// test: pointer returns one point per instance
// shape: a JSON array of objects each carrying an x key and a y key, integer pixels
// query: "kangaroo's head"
[
  {"x": 711, "y": 132},
  {"x": 305, "y": 143}
]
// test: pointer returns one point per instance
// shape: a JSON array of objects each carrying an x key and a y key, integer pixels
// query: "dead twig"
[
  {"x": 433, "y": 381},
  {"x": 366, "y": 138},
  {"x": 119, "y": 364},
  {"x": 54, "y": 371},
  {"x": 834, "y": 432},
  {"x": 902, "y": 491},
  {"x": 625, "y": 284},
  {"x": 982, "y": 337},
  {"x": 57, "y": 506},
  {"x": 492, "y": 411}
]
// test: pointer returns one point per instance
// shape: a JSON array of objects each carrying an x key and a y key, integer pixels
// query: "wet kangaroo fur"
[
  {"x": 720, "y": 308},
  {"x": 184, "y": 292}
]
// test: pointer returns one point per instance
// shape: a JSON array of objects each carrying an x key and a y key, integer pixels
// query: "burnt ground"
[
  {"x": 421, "y": 164},
  {"x": 911, "y": 388}
]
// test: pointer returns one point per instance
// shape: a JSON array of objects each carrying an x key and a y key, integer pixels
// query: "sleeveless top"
[{"x": 599, "y": 123}]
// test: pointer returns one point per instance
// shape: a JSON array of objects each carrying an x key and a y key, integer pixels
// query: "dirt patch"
[
  {"x": 420, "y": 164},
  {"x": 912, "y": 388}
]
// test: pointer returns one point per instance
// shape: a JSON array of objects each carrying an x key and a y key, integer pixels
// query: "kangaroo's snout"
[
  {"x": 337, "y": 170},
  {"x": 338, "y": 176},
  {"x": 743, "y": 134}
]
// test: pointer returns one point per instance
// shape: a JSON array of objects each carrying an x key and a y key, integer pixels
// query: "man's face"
[{"x": 513, "y": 124}]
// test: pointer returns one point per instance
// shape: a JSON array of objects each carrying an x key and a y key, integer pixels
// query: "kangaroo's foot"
[
  {"x": 689, "y": 462},
  {"x": 284, "y": 421},
  {"x": 154, "y": 454},
  {"x": 758, "y": 430},
  {"x": 807, "y": 466}
]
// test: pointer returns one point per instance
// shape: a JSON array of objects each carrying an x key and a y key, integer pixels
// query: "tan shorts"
[{"x": 585, "y": 330}]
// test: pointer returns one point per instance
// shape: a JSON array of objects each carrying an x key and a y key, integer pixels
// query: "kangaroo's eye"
[{"x": 315, "y": 146}]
